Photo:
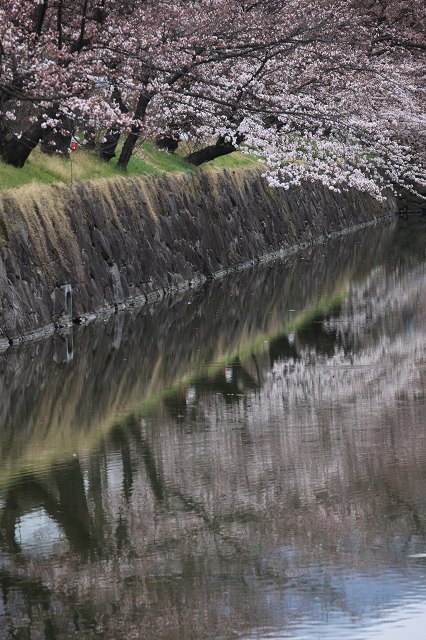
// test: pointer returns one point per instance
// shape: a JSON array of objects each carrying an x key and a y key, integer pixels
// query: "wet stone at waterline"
[{"x": 245, "y": 460}]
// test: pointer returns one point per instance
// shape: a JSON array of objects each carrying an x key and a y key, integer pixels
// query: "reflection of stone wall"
[
  {"x": 123, "y": 239},
  {"x": 51, "y": 408}
]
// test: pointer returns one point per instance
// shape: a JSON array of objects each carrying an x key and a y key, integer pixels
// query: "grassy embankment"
[{"x": 84, "y": 165}]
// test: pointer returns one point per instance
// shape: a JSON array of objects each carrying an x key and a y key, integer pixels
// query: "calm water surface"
[{"x": 245, "y": 461}]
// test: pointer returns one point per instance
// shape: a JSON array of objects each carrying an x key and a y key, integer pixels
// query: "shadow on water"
[{"x": 249, "y": 456}]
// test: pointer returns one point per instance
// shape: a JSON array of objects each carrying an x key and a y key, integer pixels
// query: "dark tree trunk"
[
  {"x": 132, "y": 138},
  {"x": 59, "y": 24},
  {"x": 12, "y": 90},
  {"x": 128, "y": 147},
  {"x": 167, "y": 142},
  {"x": 220, "y": 148},
  {"x": 15, "y": 151},
  {"x": 82, "y": 40},
  {"x": 90, "y": 139},
  {"x": 39, "y": 16},
  {"x": 99, "y": 13},
  {"x": 108, "y": 148},
  {"x": 56, "y": 142}
]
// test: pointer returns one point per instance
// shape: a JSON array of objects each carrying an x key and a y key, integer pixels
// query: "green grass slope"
[{"x": 85, "y": 165}]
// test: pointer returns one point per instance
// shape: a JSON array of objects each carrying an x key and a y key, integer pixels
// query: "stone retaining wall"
[{"x": 70, "y": 253}]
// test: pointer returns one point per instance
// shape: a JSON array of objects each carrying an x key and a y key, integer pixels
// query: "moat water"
[{"x": 245, "y": 461}]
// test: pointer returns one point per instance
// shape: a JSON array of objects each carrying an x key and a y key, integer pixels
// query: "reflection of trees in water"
[
  {"x": 62, "y": 496},
  {"x": 192, "y": 537},
  {"x": 178, "y": 519},
  {"x": 51, "y": 409}
]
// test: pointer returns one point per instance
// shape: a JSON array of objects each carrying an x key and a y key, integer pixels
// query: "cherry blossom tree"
[
  {"x": 51, "y": 73},
  {"x": 330, "y": 90},
  {"x": 320, "y": 90}
]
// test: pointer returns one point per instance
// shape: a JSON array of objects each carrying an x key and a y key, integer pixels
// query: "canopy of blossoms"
[{"x": 327, "y": 90}]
